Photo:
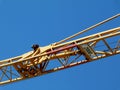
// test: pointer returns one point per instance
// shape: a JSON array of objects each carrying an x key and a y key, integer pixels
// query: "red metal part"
[{"x": 62, "y": 48}]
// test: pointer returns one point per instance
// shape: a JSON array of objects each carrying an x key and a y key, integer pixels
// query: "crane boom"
[{"x": 53, "y": 58}]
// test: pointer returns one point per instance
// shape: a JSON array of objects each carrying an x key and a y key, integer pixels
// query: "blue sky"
[{"x": 25, "y": 22}]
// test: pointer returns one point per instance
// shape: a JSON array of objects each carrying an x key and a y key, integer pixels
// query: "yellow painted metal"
[{"x": 33, "y": 64}]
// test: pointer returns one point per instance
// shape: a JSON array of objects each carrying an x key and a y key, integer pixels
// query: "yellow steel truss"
[{"x": 57, "y": 57}]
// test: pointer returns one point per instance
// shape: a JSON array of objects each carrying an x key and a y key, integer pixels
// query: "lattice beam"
[{"x": 58, "y": 57}]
